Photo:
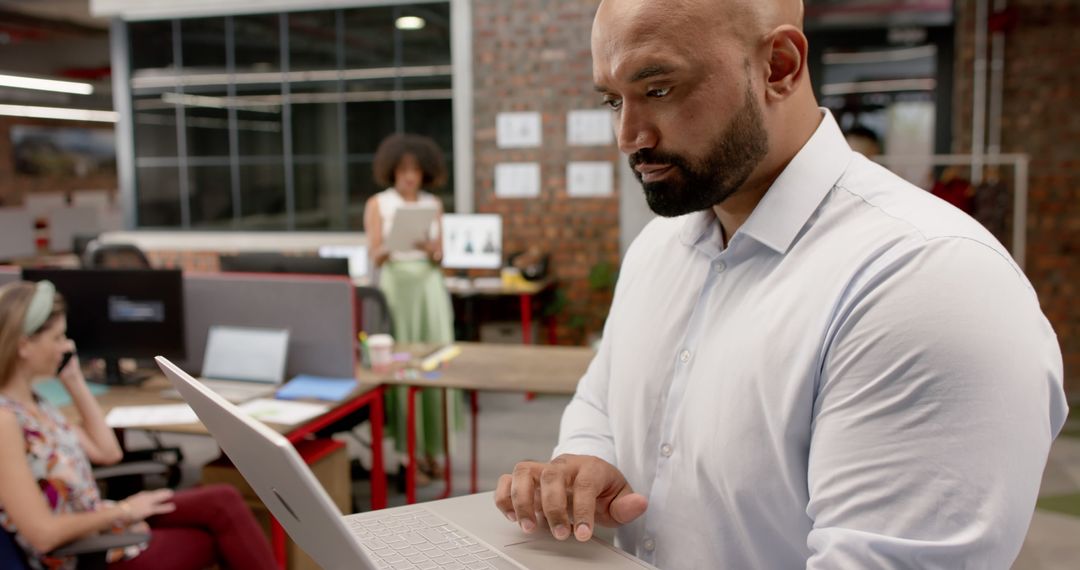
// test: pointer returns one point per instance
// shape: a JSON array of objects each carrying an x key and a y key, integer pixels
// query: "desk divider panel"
[
  {"x": 9, "y": 273},
  {"x": 16, "y": 233},
  {"x": 318, "y": 311}
]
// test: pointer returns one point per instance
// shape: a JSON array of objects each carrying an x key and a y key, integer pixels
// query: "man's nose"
[{"x": 634, "y": 130}]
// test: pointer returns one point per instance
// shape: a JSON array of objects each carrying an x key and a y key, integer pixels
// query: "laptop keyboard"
[{"x": 419, "y": 539}]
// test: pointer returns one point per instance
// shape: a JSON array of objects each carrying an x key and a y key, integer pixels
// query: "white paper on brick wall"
[
  {"x": 517, "y": 180},
  {"x": 589, "y": 127},
  {"x": 590, "y": 179},
  {"x": 518, "y": 130}
]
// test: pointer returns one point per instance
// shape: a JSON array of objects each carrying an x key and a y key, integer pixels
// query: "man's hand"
[{"x": 573, "y": 491}]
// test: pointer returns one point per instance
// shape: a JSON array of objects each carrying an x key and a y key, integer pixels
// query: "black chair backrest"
[
  {"x": 374, "y": 312},
  {"x": 116, "y": 256},
  {"x": 11, "y": 556}
]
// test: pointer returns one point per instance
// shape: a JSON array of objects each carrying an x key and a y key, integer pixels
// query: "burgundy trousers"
[{"x": 211, "y": 525}]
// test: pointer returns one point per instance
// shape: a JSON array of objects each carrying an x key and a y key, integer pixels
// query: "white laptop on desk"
[
  {"x": 463, "y": 532},
  {"x": 243, "y": 363}
]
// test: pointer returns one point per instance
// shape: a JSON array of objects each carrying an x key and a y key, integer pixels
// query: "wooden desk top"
[
  {"x": 149, "y": 394},
  {"x": 500, "y": 368},
  {"x": 527, "y": 288}
]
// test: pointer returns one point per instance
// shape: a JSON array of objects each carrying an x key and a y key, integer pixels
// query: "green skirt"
[{"x": 420, "y": 305}]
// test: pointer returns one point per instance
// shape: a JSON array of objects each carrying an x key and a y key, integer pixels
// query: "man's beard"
[{"x": 696, "y": 185}]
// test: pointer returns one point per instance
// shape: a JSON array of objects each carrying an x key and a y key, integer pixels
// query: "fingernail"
[
  {"x": 527, "y": 525},
  {"x": 561, "y": 532},
  {"x": 583, "y": 532},
  {"x": 512, "y": 516}
]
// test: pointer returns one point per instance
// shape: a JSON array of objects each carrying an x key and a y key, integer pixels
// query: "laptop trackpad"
[{"x": 566, "y": 555}]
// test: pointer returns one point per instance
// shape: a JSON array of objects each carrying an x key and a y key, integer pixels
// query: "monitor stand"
[{"x": 115, "y": 377}]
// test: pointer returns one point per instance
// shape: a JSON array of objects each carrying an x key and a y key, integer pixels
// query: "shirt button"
[
  {"x": 684, "y": 356},
  {"x": 720, "y": 266},
  {"x": 666, "y": 450},
  {"x": 648, "y": 544}
]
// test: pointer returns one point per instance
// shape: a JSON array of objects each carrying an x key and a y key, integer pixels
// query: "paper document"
[
  {"x": 317, "y": 388},
  {"x": 282, "y": 412},
  {"x": 161, "y": 415}
]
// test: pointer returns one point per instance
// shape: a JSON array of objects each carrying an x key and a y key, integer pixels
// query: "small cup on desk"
[{"x": 381, "y": 348}]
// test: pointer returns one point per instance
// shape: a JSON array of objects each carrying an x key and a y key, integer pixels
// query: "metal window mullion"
[
  {"x": 286, "y": 124},
  {"x": 234, "y": 132},
  {"x": 399, "y": 104},
  {"x": 343, "y": 140},
  {"x": 181, "y": 134},
  {"x": 120, "y": 51}
]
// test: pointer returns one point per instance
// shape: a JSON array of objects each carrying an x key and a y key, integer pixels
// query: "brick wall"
[
  {"x": 534, "y": 56},
  {"x": 1042, "y": 89},
  {"x": 13, "y": 186}
]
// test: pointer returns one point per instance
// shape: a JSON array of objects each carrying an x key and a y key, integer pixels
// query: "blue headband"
[{"x": 40, "y": 307}]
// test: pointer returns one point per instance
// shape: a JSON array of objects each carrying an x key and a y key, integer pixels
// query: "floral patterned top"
[{"x": 62, "y": 471}]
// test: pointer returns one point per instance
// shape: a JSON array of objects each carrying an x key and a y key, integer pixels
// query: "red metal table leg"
[
  {"x": 449, "y": 472},
  {"x": 378, "y": 470},
  {"x": 525, "y": 302},
  {"x": 475, "y": 408},
  {"x": 277, "y": 542},
  {"x": 410, "y": 430}
]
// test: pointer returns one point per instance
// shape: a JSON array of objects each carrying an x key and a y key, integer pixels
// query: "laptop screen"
[{"x": 246, "y": 354}]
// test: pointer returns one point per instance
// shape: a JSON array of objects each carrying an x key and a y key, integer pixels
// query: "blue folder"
[
  {"x": 53, "y": 392},
  {"x": 317, "y": 388}
]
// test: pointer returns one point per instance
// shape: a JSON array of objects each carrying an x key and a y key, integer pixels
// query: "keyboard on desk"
[{"x": 422, "y": 540}]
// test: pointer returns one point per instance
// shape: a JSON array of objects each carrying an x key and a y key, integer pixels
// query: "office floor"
[{"x": 513, "y": 429}]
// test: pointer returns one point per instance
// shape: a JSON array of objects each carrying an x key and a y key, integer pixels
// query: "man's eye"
[
  {"x": 613, "y": 104},
  {"x": 660, "y": 92}
]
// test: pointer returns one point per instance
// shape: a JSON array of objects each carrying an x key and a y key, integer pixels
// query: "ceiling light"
[
  {"x": 410, "y": 23},
  {"x": 59, "y": 113},
  {"x": 20, "y": 82}
]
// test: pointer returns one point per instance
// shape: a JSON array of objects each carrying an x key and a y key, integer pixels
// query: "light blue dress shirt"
[{"x": 863, "y": 378}]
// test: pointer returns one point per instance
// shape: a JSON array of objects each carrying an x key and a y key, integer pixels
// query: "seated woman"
[{"x": 48, "y": 496}]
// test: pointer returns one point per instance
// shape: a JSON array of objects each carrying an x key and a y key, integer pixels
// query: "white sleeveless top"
[{"x": 389, "y": 201}]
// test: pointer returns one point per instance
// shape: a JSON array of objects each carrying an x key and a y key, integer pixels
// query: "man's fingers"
[
  {"x": 586, "y": 489},
  {"x": 628, "y": 506},
  {"x": 553, "y": 500},
  {"x": 502, "y": 497},
  {"x": 522, "y": 489}
]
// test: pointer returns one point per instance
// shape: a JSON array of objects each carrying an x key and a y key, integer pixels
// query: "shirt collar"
[{"x": 793, "y": 197}]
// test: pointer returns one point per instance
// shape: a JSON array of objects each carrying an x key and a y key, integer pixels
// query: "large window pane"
[
  {"x": 361, "y": 187},
  {"x": 313, "y": 40},
  {"x": 369, "y": 37},
  {"x": 203, "y": 44},
  {"x": 207, "y": 124},
  {"x": 258, "y": 45},
  {"x": 150, "y": 46},
  {"x": 433, "y": 119},
  {"x": 158, "y": 203},
  {"x": 262, "y": 196},
  {"x": 319, "y": 194},
  {"x": 259, "y": 117},
  {"x": 316, "y": 122},
  {"x": 211, "y": 197},
  {"x": 155, "y": 126},
  {"x": 429, "y": 45},
  {"x": 367, "y": 124}
]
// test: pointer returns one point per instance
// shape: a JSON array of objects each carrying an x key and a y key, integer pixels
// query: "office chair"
[
  {"x": 89, "y": 552},
  {"x": 114, "y": 256},
  {"x": 372, "y": 311}
]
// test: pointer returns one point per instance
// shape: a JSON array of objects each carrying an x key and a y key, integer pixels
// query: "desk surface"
[
  {"x": 500, "y": 368},
  {"x": 527, "y": 288},
  {"x": 149, "y": 394}
]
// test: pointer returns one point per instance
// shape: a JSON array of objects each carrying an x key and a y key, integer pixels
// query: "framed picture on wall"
[{"x": 63, "y": 152}]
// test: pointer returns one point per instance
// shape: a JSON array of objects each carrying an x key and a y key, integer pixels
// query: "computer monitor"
[
  {"x": 121, "y": 313},
  {"x": 266, "y": 262},
  {"x": 472, "y": 241},
  {"x": 356, "y": 254}
]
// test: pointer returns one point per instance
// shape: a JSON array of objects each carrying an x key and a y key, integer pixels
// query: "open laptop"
[
  {"x": 243, "y": 363},
  {"x": 463, "y": 532}
]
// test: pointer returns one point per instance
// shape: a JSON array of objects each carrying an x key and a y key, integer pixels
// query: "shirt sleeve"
[
  {"x": 940, "y": 393},
  {"x": 586, "y": 427}
]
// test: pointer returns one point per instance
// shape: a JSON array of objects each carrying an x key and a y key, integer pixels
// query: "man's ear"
[{"x": 787, "y": 61}]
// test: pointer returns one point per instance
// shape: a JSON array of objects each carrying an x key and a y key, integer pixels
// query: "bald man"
[{"x": 808, "y": 361}]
